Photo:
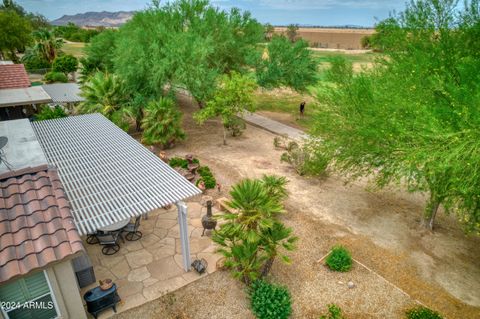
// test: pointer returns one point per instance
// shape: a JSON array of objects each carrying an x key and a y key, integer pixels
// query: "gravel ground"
[{"x": 441, "y": 270}]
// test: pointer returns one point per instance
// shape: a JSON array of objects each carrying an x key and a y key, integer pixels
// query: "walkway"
[{"x": 274, "y": 126}]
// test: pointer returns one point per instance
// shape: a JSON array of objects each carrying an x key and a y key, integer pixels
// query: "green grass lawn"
[
  {"x": 74, "y": 48},
  {"x": 325, "y": 56},
  {"x": 287, "y": 102}
]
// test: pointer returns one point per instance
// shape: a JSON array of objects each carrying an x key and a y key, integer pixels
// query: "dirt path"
[{"x": 442, "y": 270}]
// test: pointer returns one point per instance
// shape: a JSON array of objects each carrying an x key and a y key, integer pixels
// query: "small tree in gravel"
[
  {"x": 232, "y": 98},
  {"x": 422, "y": 313}
]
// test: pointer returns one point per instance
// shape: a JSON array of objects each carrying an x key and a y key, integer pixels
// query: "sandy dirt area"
[{"x": 381, "y": 228}]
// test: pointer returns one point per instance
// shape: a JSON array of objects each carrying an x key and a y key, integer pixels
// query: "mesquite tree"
[{"x": 413, "y": 119}]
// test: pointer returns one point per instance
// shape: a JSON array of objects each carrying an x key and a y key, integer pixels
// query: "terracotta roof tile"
[
  {"x": 13, "y": 76},
  {"x": 36, "y": 225}
]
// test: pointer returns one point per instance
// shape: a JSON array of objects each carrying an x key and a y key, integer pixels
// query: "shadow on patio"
[{"x": 152, "y": 266}]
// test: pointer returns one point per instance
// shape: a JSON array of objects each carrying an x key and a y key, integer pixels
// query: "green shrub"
[
  {"x": 35, "y": 62},
  {"x": 178, "y": 162},
  {"x": 422, "y": 313},
  {"x": 269, "y": 301},
  {"x": 334, "y": 312},
  {"x": 305, "y": 159},
  {"x": 66, "y": 63},
  {"x": 48, "y": 113},
  {"x": 52, "y": 77},
  {"x": 339, "y": 259},
  {"x": 207, "y": 177}
]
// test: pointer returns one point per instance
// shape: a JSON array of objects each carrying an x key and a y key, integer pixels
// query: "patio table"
[{"x": 115, "y": 226}]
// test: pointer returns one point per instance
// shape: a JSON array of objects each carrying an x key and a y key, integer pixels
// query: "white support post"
[{"x": 184, "y": 238}]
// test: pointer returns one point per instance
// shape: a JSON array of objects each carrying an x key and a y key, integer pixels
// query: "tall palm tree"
[{"x": 46, "y": 45}]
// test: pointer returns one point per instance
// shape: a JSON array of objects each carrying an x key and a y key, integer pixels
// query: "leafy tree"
[
  {"x": 99, "y": 54},
  {"x": 162, "y": 123},
  {"x": 287, "y": 64},
  {"x": 65, "y": 63},
  {"x": 268, "y": 31},
  {"x": 105, "y": 93},
  {"x": 292, "y": 32},
  {"x": 14, "y": 34},
  {"x": 186, "y": 44},
  {"x": 232, "y": 98},
  {"x": 252, "y": 237},
  {"x": 37, "y": 21},
  {"x": 413, "y": 119}
]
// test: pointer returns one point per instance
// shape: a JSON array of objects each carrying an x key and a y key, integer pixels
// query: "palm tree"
[
  {"x": 47, "y": 46},
  {"x": 251, "y": 238},
  {"x": 103, "y": 93},
  {"x": 161, "y": 123},
  {"x": 275, "y": 186}
]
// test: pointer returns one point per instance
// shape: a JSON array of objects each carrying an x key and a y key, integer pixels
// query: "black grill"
[{"x": 98, "y": 300}]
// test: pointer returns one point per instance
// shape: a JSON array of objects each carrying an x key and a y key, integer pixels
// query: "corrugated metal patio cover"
[{"x": 107, "y": 175}]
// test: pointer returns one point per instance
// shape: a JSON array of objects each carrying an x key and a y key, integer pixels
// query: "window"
[{"x": 29, "y": 297}]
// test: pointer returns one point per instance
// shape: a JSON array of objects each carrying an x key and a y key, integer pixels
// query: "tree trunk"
[
  {"x": 267, "y": 267},
  {"x": 224, "y": 135},
  {"x": 432, "y": 215}
]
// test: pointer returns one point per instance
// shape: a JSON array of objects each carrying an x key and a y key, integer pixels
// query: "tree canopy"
[
  {"x": 287, "y": 64},
  {"x": 187, "y": 44},
  {"x": 15, "y": 34},
  {"x": 414, "y": 118},
  {"x": 232, "y": 98}
]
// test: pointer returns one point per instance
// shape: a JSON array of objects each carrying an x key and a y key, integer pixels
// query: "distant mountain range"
[{"x": 96, "y": 19}]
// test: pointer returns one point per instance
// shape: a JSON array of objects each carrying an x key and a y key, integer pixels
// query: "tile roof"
[
  {"x": 13, "y": 76},
  {"x": 36, "y": 226}
]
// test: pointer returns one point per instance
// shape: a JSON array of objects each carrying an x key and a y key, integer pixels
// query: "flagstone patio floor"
[{"x": 150, "y": 267}]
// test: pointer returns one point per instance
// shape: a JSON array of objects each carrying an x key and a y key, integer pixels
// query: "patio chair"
[
  {"x": 110, "y": 243},
  {"x": 132, "y": 230},
  {"x": 92, "y": 239}
]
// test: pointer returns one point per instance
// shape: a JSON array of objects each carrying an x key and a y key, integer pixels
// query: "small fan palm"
[
  {"x": 161, "y": 123},
  {"x": 103, "y": 93},
  {"x": 275, "y": 186}
]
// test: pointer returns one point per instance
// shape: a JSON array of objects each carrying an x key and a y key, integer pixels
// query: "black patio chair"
[
  {"x": 132, "y": 230},
  {"x": 92, "y": 239},
  {"x": 110, "y": 242}
]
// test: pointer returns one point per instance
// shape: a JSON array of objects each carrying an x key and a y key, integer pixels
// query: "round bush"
[
  {"x": 269, "y": 301},
  {"x": 339, "y": 259},
  {"x": 422, "y": 313},
  {"x": 51, "y": 77}
]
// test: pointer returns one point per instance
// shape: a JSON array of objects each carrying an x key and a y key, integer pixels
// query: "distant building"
[{"x": 18, "y": 99}]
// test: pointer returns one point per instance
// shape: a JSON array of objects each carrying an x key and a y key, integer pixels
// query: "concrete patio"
[{"x": 152, "y": 266}]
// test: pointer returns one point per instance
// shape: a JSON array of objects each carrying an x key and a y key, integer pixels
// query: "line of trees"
[
  {"x": 413, "y": 119},
  {"x": 192, "y": 46}
]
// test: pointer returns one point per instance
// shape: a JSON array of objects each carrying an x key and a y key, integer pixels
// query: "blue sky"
[{"x": 313, "y": 12}]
